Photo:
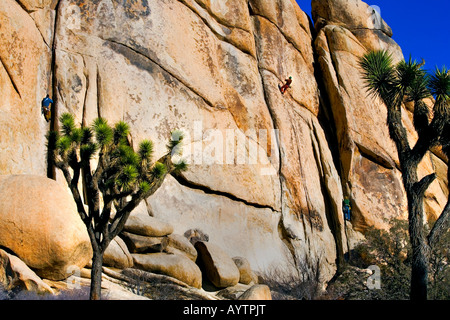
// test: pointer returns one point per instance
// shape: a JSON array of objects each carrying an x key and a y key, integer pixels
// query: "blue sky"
[{"x": 421, "y": 28}]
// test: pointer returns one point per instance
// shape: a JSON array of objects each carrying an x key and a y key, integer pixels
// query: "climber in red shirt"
[{"x": 286, "y": 85}]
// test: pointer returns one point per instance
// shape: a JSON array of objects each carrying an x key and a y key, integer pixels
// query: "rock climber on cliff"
[
  {"x": 46, "y": 111},
  {"x": 347, "y": 209},
  {"x": 285, "y": 86}
]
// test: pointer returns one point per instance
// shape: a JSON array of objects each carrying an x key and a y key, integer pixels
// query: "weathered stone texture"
[
  {"x": 267, "y": 172},
  {"x": 39, "y": 222}
]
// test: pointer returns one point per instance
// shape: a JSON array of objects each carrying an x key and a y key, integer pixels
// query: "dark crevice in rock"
[
  {"x": 99, "y": 98},
  {"x": 331, "y": 211},
  {"x": 86, "y": 91},
  {"x": 327, "y": 122},
  {"x": 22, "y": 5},
  {"x": 16, "y": 89},
  {"x": 192, "y": 185},
  {"x": 334, "y": 63},
  {"x": 286, "y": 237},
  {"x": 381, "y": 32},
  {"x": 51, "y": 168},
  {"x": 325, "y": 115},
  {"x": 376, "y": 158},
  {"x": 272, "y": 114}
]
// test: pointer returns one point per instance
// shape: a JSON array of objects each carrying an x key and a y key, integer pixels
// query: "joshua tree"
[
  {"x": 408, "y": 82},
  {"x": 120, "y": 181}
]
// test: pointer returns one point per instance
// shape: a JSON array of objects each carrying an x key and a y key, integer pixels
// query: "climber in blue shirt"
[
  {"x": 46, "y": 111},
  {"x": 347, "y": 209}
]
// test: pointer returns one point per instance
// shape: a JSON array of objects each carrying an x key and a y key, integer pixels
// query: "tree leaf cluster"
[{"x": 122, "y": 177}]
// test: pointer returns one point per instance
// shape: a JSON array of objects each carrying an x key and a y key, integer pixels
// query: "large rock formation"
[
  {"x": 259, "y": 164},
  {"x": 39, "y": 222},
  {"x": 25, "y": 73},
  {"x": 268, "y": 172}
]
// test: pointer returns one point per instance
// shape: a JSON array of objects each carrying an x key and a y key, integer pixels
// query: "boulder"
[
  {"x": 257, "y": 292},
  {"x": 142, "y": 244},
  {"x": 146, "y": 225},
  {"x": 7, "y": 275},
  {"x": 232, "y": 293},
  {"x": 177, "y": 266},
  {"x": 245, "y": 271},
  {"x": 39, "y": 222},
  {"x": 217, "y": 264},
  {"x": 176, "y": 243},
  {"x": 27, "y": 278},
  {"x": 194, "y": 235},
  {"x": 117, "y": 255}
]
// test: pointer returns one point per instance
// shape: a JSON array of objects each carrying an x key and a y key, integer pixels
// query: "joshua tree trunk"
[
  {"x": 419, "y": 267},
  {"x": 415, "y": 193},
  {"x": 419, "y": 274},
  {"x": 96, "y": 275}
]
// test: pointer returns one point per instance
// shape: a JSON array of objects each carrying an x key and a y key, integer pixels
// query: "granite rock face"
[
  {"x": 267, "y": 172},
  {"x": 40, "y": 224},
  {"x": 25, "y": 74}
]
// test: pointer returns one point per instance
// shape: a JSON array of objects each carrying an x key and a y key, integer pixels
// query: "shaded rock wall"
[{"x": 268, "y": 172}]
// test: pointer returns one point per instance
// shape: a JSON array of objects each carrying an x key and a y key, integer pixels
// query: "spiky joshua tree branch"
[{"x": 121, "y": 180}]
